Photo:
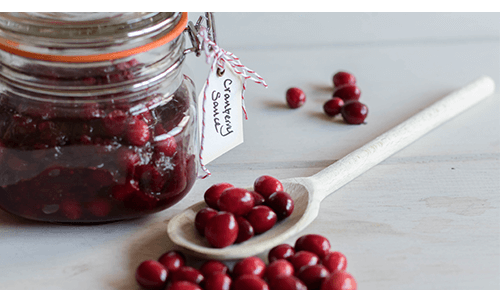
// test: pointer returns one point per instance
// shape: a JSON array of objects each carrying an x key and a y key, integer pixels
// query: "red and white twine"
[{"x": 219, "y": 56}]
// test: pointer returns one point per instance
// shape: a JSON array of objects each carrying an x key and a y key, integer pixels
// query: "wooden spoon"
[{"x": 308, "y": 192}]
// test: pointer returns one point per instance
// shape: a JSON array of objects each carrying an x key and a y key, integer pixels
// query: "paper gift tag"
[{"x": 220, "y": 114}]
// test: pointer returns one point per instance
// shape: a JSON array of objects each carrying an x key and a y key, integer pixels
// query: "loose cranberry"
[
  {"x": 343, "y": 78},
  {"x": 213, "y": 193},
  {"x": 71, "y": 209},
  {"x": 172, "y": 260},
  {"x": 283, "y": 251},
  {"x": 235, "y": 200},
  {"x": 184, "y": 285},
  {"x": 278, "y": 268},
  {"x": 286, "y": 283},
  {"x": 218, "y": 281},
  {"x": 186, "y": 273},
  {"x": 266, "y": 185},
  {"x": 335, "y": 261},
  {"x": 151, "y": 275},
  {"x": 259, "y": 199},
  {"x": 333, "y": 106},
  {"x": 115, "y": 122},
  {"x": 249, "y": 282},
  {"x": 168, "y": 146},
  {"x": 211, "y": 267},
  {"x": 354, "y": 112},
  {"x": 339, "y": 281},
  {"x": 99, "y": 207},
  {"x": 303, "y": 258},
  {"x": 262, "y": 218},
  {"x": 249, "y": 266},
  {"x": 295, "y": 98},
  {"x": 137, "y": 132},
  {"x": 281, "y": 203},
  {"x": 221, "y": 230},
  {"x": 347, "y": 93},
  {"x": 201, "y": 218},
  {"x": 245, "y": 230},
  {"x": 316, "y": 244},
  {"x": 313, "y": 276}
]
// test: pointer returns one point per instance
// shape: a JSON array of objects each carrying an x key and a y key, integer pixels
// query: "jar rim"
[{"x": 16, "y": 48}]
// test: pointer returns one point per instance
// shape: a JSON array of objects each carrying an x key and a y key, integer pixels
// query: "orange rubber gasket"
[{"x": 12, "y": 47}]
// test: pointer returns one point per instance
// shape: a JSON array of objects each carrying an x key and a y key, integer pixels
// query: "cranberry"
[
  {"x": 262, "y": 218},
  {"x": 121, "y": 192},
  {"x": 316, "y": 244},
  {"x": 150, "y": 179},
  {"x": 347, "y": 93},
  {"x": 137, "y": 132},
  {"x": 333, "y": 106},
  {"x": 283, "y": 251},
  {"x": 303, "y": 258},
  {"x": 335, "y": 261},
  {"x": 237, "y": 201},
  {"x": 184, "y": 285},
  {"x": 245, "y": 230},
  {"x": 286, "y": 283},
  {"x": 213, "y": 193},
  {"x": 313, "y": 276},
  {"x": 151, "y": 275},
  {"x": 266, "y": 185},
  {"x": 221, "y": 230},
  {"x": 127, "y": 159},
  {"x": 218, "y": 281},
  {"x": 339, "y": 281},
  {"x": 201, "y": 218},
  {"x": 249, "y": 282},
  {"x": 211, "y": 267},
  {"x": 249, "y": 266},
  {"x": 186, "y": 273},
  {"x": 281, "y": 203},
  {"x": 343, "y": 78},
  {"x": 168, "y": 146},
  {"x": 258, "y": 199},
  {"x": 295, "y": 98},
  {"x": 99, "y": 207},
  {"x": 354, "y": 112},
  {"x": 71, "y": 209},
  {"x": 115, "y": 122},
  {"x": 172, "y": 260},
  {"x": 278, "y": 268}
]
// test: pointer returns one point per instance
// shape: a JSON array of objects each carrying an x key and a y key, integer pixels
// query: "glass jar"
[{"x": 97, "y": 119}]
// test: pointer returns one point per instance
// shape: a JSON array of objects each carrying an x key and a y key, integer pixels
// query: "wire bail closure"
[{"x": 193, "y": 30}]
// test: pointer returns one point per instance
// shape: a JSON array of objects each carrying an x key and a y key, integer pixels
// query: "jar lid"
[{"x": 87, "y": 37}]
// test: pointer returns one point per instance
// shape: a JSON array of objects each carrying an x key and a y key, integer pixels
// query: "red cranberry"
[
  {"x": 295, "y": 98},
  {"x": 221, "y": 230},
  {"x": 281, "y": 203},
  {"x": 121, "y": 192},
  {"x": 262, "y": 218},
  {"x": 286, "y": 283},
  {"x": 184, "y": 285},
  {"x": 249, "y": 282},
  {"x": 172, "y": 260},
  {"x": 99, "y": 207},
  {"x": 316, "y": 244},
  {"x": 249, "y": 266},
  {"x": 335, "y": 261},
  {"x": 150, "y": 179},
  {"x": 127, "y": 159},
  {"x": 354, "y": 112},
  {"x": 313, "y": 276},
  {"x": 213, "y": 193},
  {"x": 137, "y": 132},
  {"x": 167, "y": 146},
  {"x": 151, "y": 275},
  {"x": 266, "y": 185},
  {"x": 115, "y": 122},
  {"x": 333, "y": 106},
  {"x": 186, "y": 273},
  {"x": 283, "y": 251},
  {"x": 278, "y": 268},
  {"x": 245, "y": 230},
  {"x": 343, "y": 78},
  {"x": 258, "y": 199},
  {"x": 347, "y": 93},
  {"x": 303, "y": 258},
  {"x": 339, "y": 281},
  {"x": 211, "y": 267},
  {"x": 201, "y": 218},
  {"x": 235, "y": 200},
  {"x": 92, "y": 111},
  {"x": 218, "y": 281},
  {"x": 71, "y": 209}
]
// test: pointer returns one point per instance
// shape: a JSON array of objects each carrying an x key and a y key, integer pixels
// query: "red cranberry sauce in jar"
[{"x": 104, "y": 137}]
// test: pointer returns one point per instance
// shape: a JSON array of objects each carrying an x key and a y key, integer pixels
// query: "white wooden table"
[{"x": 426, "y": 218}]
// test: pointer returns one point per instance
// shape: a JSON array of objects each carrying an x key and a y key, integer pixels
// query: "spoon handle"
[{"x": 354, "y": 164}]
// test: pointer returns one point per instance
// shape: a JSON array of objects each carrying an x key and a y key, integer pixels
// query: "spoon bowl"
[{"x": 308, "y": 192}]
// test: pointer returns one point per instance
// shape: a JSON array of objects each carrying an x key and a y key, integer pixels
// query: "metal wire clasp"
[{"x": 193, "y": 29}]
